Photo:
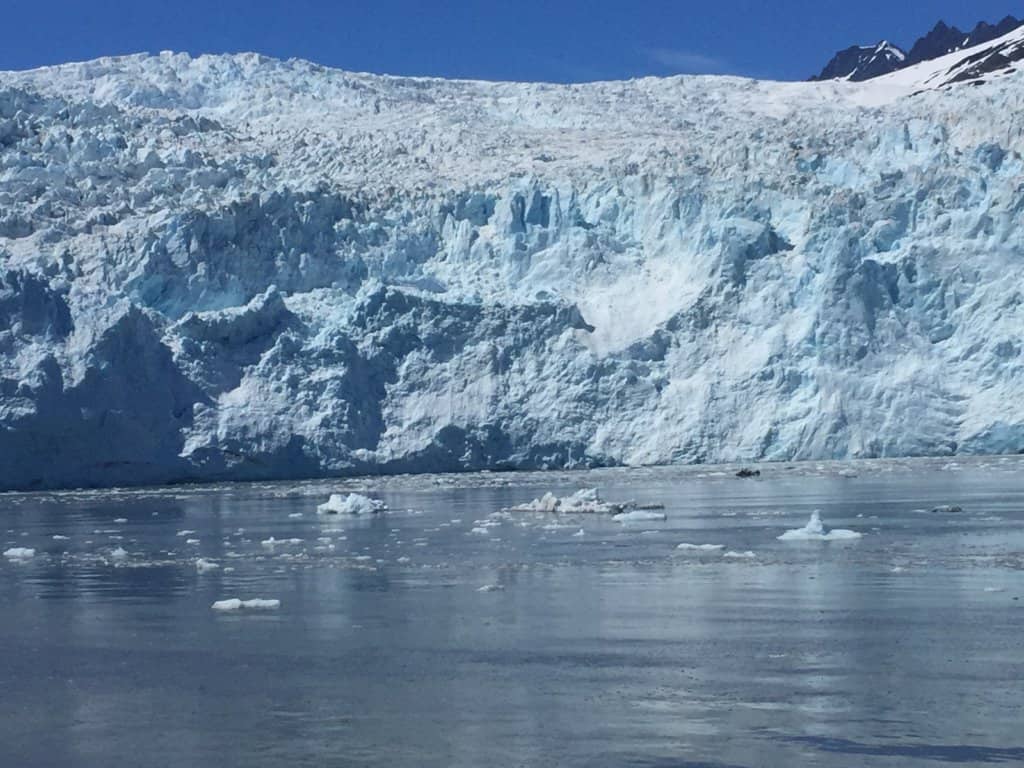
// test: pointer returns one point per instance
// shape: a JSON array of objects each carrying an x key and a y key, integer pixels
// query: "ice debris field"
[
  {"x": 476, "y": 531},
  {"x": 233, "y": 267}
]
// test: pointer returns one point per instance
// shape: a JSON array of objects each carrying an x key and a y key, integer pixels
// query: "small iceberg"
[
  {"x": 584, "y": 501},
  {"x": 639, "y": 516},
  {"x": 700, "y": 547},
  {"x": 350, "y": 504},
  {"x": 815, "y": 530},
  {"x": 19, "y": 553},
  {"x": 206, "y": 566},
  {"x": 256, "y": 604},
  {"x": 733, "y": 555}
]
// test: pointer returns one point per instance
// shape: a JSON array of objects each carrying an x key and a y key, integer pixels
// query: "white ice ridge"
[
  {"x": 815, "y": 530},
  {"x": 237, "y": 268},
  {"x": 256, "y": 604},
  {"x": 350, "y": 504}
]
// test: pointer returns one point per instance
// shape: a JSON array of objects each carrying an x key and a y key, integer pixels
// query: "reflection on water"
[{"x": 607, "y": 648}]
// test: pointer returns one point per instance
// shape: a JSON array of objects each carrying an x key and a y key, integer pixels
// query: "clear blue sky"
[{"x": 555, "y": 40}]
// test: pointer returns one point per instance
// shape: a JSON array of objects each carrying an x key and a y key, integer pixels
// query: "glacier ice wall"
[{"x": 235, "y": 267}]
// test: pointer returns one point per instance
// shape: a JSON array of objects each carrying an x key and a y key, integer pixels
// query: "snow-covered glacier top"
[{"x": 233, "y": 266}]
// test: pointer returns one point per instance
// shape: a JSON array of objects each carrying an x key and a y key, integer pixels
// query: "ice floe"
[
  {"x": 734, "y": 555},
  {"x": 815, "y": 530},
  {"x": 639, "y": 516},
  {"x": 350, "y": 504},
  {"x": 19, "y": 553},
  {"x": 584, "y": 501},
  {"x": 685, "y": 547},
  {"x": 256, "y": 604}
]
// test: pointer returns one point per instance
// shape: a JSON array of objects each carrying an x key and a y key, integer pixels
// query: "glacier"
[{"x": 235, "y": 267}]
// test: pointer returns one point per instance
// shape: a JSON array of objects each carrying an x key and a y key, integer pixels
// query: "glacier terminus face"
[{"x": 232, "y": 267}]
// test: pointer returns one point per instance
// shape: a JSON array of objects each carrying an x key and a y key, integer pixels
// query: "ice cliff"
[{"x": 236, "y": 267}]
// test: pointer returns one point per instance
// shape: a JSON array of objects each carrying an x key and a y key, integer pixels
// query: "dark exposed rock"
[{"x": 860, "y": 63}]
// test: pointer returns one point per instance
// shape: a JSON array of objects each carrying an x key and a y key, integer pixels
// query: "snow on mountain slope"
[
  {"x": 236, "y": 267},
  {"x": 863, "y": 62}
]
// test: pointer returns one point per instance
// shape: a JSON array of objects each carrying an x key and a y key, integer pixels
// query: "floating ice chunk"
[
  {"x": 403, "y": 559},
  {"x": 733, "y": 555},
  {"x": 295, "y": 515},
  {"x": 58, "y": 537},
  {"x": 272, "y": 542},
  {"x": 350, "y": 504},
  {"x": 256, "y": 604},
  {"x": 579, "y": 534},
  {"x": 700, "y": 547},
  {"x": 995, "y": 589},
  {"x": 815, "y": 530},
  {"x": 947, "y": 509},
  {"x": 183, "y": 534},
  {"x": 193, "y": 542},
  {"x": 19, "y": 553},
  {"x": 639, "y": 516},
  {"x": 206, "y": 566},
  {"x": 584, "y": 501},
  {"x": 480, "y": 530},
  {"x": 491, "y": 588},
  {"x": 118, "y": 554},
  {"x": 120, "y": 520}
]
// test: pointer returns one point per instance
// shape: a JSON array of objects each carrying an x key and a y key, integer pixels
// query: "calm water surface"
[{"x": 608, "y": 647}]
